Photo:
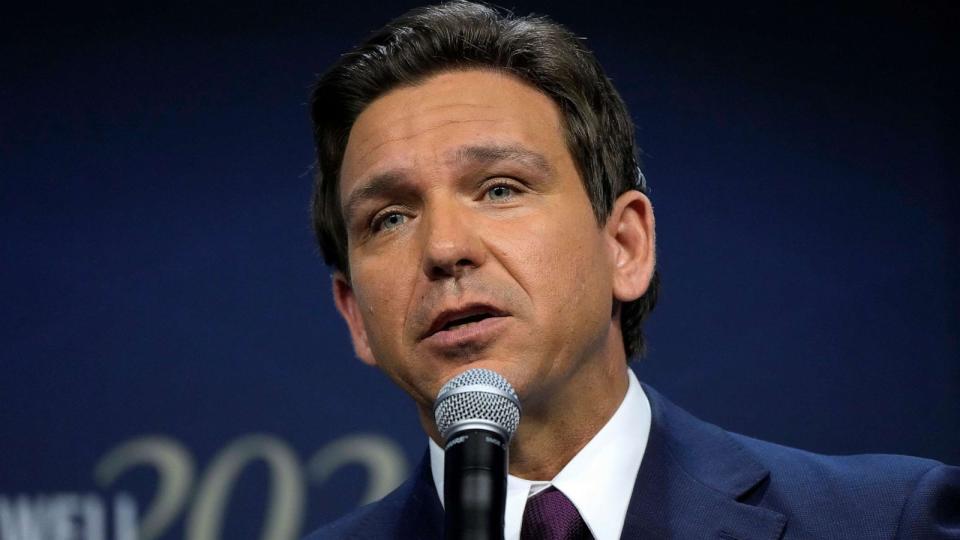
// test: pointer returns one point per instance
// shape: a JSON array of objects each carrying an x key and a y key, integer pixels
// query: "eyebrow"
[
  {"x": 381, "y": 184},
  {"x": 378, "y": 186},
  {"x": 487, "y": 154}
]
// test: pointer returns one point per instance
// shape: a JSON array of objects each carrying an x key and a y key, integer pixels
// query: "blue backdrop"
[{"x": 172, "y": 362}]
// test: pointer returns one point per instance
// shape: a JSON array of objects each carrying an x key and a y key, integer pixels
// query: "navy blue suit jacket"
[{"x": 698, "y": 481}]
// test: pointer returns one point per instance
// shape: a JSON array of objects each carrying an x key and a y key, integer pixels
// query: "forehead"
[{"x": 428, "y": 124}]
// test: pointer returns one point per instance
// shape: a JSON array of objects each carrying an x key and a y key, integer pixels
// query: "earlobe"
[
  {"x": 632, "y": 236},
  {"x": 346, "y": 302}
]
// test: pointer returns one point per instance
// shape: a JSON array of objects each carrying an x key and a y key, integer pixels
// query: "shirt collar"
[{"x": 598, "y": 480}]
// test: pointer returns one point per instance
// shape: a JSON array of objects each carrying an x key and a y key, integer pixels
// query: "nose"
[{"x": 452, "y": 243}]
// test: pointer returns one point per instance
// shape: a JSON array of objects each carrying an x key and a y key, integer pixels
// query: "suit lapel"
[
  {"x": 421, "y": 515},
  {"x": 693, "y": 483}
]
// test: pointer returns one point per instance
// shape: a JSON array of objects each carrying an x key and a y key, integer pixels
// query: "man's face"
[{"x": 472, "y": 242}]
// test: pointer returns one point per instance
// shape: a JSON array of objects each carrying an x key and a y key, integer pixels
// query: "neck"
[{"x": 552, "y": 434}]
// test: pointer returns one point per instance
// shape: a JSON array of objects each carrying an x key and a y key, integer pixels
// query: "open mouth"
[
  {"x": 455, "y": 319},
  {"x": 465, "y": 320}
]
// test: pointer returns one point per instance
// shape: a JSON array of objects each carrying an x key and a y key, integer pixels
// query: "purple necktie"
[{"x": 549, "y": 515}]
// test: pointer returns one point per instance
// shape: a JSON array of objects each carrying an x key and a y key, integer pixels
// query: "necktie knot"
[{"x": 550, "y": 515}]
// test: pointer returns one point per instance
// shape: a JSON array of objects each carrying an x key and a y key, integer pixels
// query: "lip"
[
  {"x": 438, "y": 334},
  {"x": 467, "y": 336}
]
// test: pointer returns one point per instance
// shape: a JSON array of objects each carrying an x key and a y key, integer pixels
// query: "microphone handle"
[{"x": 474, "y": 485}]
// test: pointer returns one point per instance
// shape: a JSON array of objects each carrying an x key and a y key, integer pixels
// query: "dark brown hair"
[{"x": 461, "y": 35}]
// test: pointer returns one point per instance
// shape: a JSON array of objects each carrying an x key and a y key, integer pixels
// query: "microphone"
[{"x": 477, "y": 413}]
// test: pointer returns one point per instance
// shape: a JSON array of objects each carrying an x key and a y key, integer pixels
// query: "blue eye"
[
  {"x": 500, "y": 193},
  {"x": 390, "y": 221}
]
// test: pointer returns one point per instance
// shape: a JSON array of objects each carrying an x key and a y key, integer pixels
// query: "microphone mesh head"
[{"x": 477, "y": 396}]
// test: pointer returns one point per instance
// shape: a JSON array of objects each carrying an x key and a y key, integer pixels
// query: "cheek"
[
  {"x": 382, "y": 295},
  {"x": 580, "y": 278},
  {"x": 561, "y": 265}
]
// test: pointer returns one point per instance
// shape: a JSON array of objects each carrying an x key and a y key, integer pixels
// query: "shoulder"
[
  {"x": 368, "y": 521},
  {"x": 411, "y": 511},
  {"x": 908, "y": 496},
  {"x": 364, "y": 522},
  {"x": 819, "y": 496},
  {"x": 858, "y": 471}
]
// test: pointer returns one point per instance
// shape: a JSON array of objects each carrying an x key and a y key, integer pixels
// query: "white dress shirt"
[{"x": 598, "y": 480}]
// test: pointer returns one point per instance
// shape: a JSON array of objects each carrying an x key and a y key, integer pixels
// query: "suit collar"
[{"x": 694, "y": 482}]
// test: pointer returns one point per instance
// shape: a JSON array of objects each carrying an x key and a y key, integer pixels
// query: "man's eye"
[
  {"x": 389, "y": 221},
  {"x": 501, "y": 193}
]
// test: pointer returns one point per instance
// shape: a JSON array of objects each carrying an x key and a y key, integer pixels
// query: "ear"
[
  {"x": 346, "y": 301},
  {"x": 630, "y": 228}
]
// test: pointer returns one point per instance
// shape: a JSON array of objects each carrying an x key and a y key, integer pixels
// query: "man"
[{"x": 479, "y": 199}]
